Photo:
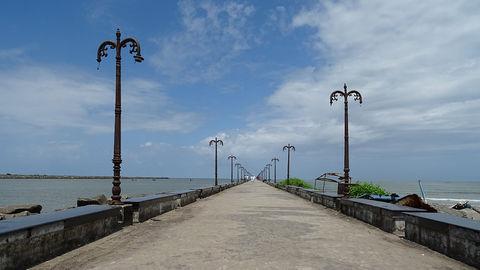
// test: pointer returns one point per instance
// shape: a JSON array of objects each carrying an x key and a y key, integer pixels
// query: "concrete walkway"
[{"x": 252, "y": 226}]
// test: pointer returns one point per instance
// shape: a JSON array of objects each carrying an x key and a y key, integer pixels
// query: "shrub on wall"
[
  {"x": 295, "y": 182},
  {"x": 363, "y": 188}
]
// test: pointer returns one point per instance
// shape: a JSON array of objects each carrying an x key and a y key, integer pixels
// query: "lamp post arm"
[
  {"x": 134, "y": 48},
  {"x": 334, "y": 96},
  {"x": 356, "y": 96},
  {"x": 103, "y": 48}
]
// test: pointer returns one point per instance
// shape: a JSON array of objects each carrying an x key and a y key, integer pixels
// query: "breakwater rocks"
[
  {"x": 97, "y": 200},
  {"x": 27, "y": 241},
  {"x": 13, "y": 211},
  {"x": 453, "y": 236},
  {"x": 45, "y": 176}
]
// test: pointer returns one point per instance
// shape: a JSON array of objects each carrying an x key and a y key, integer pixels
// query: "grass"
[
  {"x": 364, "y": 188},
  {"x": 295, "y": 182}
]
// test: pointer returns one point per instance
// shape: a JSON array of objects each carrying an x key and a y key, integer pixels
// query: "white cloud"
[
  {"x": 43, "y": 98},
  {"x": 415, "y": 63},
  {"x": 146, "y": 144},
  {"x": 148, "y": 108},
  {"x": 49, "y": 99},
  {"x": 279, "y": 19},
  {"x": 212, "y": 35},
  {"x": 102, "y": 12},
  {"x": 12, "y": 54}
]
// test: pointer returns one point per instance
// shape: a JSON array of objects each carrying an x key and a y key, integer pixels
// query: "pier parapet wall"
[
  {"x": 386, "y": 216},
  {"x": 456, "y": 237},
  {"x": 27, "y": 241}
]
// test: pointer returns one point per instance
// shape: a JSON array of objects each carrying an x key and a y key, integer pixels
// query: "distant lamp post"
[
  {"x": 343, "y": 187},
  {"x": 102, "y": 52},
  {"x": 275, "y": 169},
  {"x": 216, "y": 142},
  {"x": 268, "y": 168},
  {"x": 288, "y": 148},
  {"x": 231, "y": 157},
  {"x": 237, "y": 165},
  {"x": 241, "y": 172}
]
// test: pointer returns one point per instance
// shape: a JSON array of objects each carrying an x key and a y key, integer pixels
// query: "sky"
[{"x": 256, "y": 74}]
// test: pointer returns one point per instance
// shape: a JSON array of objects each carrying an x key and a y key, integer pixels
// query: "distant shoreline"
[{"x": 45, "y": 176}]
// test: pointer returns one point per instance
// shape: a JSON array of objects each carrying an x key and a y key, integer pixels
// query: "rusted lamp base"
[{"x": 343, "y": 188}]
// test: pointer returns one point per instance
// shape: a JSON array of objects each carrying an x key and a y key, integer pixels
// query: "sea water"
[
  {"x": 55, "y": 194},
  {"x": 439, "y": 192}
]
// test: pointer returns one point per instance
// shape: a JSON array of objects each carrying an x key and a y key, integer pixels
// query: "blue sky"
[{"x": 257, "y": 74}]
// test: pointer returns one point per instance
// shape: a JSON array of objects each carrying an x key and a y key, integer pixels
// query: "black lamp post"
[
  {"x": 102, "y": 52},
  {"x": 238, "y": 168},
  {"x": 231, "y": 157},
  {"x": 268, "y": 168},
  {"x": 288, "y": 148},
  {"x": 343, "y": 187},
  {"x": 275, "y": 169},
  {"x": 216, "y": 142}
]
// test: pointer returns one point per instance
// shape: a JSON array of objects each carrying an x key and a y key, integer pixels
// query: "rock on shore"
[
  {"x": 13, "y": 211},
  {"x": 465, "y": 213},
  {"x": 99, "y": 199}
]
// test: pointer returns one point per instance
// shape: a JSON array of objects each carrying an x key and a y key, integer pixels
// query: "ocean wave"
[{"x": 453, "y": 200}]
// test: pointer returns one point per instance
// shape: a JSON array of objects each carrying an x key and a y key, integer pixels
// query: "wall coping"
[
  {"x": 384, "y": 205},
  {"x": 167, "y": 195},
  {"x": 73, "y": 216},
  {"x": 149, "y": 198},
  {"x": 326, "y": 194},
  {"x": 316, "y": 191},
  {"x": 449, "y": 219},
  {"x": 186, "y": 191}
]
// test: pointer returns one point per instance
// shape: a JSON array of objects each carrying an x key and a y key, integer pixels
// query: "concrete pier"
[{"x": 252, "y": 226}]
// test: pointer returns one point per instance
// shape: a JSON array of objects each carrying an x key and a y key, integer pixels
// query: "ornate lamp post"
[
  {"x": 275, "y": 169},
  {"x": 102, "y": 52},
  {"x": 238, "y": 168},
  {"x": 268, "y": 168},
  {"x": 343, "y": 187},
  {"x": 231, "y": 157},
  {"x": 288, "y": 148},
  {"x": 216, "y": 142}
]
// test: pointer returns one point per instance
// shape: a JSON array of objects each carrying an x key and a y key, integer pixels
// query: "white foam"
[{"x": 453, "y": 200}]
